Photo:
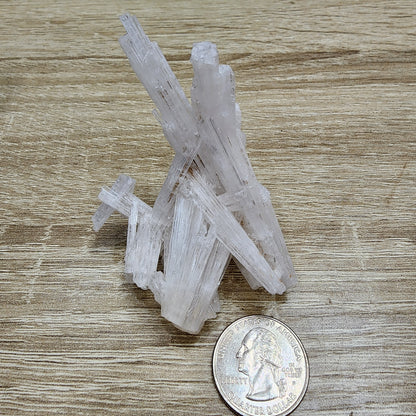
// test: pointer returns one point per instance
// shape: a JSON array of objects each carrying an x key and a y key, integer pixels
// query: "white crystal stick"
[
  {"x": 122, "y": 202},
  {"x": 123, "y": 185},
  {"x": 149, "y": 64},
  {"x": 230, "y": 233},
  {"x": 214, "y": 102},
  {"x": 175, "y": 115},
  {"x": 194, "y": 267}
]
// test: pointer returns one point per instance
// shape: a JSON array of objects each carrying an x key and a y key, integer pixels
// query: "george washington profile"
[{"x": 259, "y": 357}]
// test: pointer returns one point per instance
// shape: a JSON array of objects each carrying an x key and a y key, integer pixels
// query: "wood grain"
[{"x": 328, "y": 96}]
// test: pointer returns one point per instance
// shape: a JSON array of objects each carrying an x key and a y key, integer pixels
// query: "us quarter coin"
[{"x": 260, "y": 367}]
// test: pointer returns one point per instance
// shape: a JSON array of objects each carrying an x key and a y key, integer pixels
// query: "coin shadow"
[{"x": 237, "y": 296}]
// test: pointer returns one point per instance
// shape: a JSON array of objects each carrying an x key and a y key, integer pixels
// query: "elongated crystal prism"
[{"x": 196, "y": 271}]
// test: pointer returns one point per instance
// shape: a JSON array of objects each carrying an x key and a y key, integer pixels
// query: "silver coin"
[{"x": 260, "y": 367}]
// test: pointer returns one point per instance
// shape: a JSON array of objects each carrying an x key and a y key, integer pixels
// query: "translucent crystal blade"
[
  {"x": 213, "y": 101},
  {"x": 151, "y": 67},
  {"x": 121, "y": 186},
  {"x": 175, "y": 115},
  {"x": 123, "y": 202},
  {"x": 194, "y": 268},
  {"x": 230, "y": 233}
]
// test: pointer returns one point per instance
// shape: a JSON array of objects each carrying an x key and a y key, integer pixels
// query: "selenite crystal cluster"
[{"x": 210, "y": 207}]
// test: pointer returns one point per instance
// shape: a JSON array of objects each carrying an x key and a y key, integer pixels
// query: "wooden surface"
[{"x": 328, "y": 96}]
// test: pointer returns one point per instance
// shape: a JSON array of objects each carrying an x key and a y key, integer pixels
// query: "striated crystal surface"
[
  {"x": 210, "y": 207},
  {"x": 195, "y": 271}
]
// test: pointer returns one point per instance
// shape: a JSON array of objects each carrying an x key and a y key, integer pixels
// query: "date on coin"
[{"x": 260, "y": 367}]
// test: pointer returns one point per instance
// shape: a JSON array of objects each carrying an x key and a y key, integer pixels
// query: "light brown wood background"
[{"x": 328, "y": 95}]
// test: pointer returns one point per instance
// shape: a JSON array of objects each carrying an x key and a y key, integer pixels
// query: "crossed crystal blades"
[{"x": 210, "y": 206}]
